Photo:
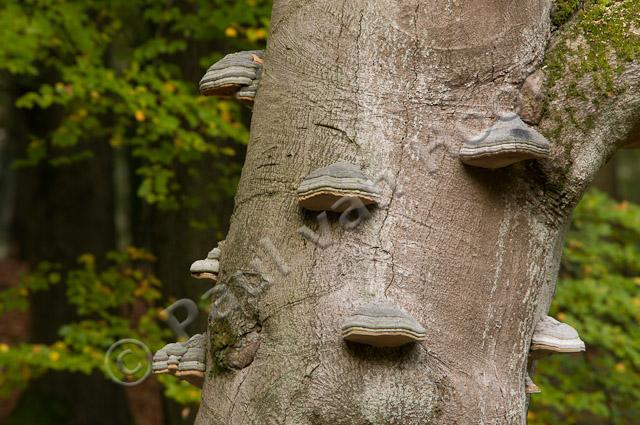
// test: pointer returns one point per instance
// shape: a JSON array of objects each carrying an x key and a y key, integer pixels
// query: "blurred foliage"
[
  {"x": 122, "y": 72},
  {"x": 599, "y": 294},
  {"x": 112, "y": 304}
]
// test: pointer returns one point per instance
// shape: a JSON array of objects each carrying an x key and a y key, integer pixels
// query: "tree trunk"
[{"x": 393, "y": 87}]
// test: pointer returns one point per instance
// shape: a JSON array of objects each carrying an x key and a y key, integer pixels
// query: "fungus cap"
[
  {"x": 194, "y": 377},
  {"x": 508, "y": 141},
  {"x": 382, "y": 324},
  {"x": 209, "y": 267},
  {"x": 551, "y": 335},
  {"x": 232, "y": 73},
  {"x": 322, "y": 188},
  {"x": 159, "y": 362},
  {"x": 530, "y": 387},
  {"x": 175, "y": 349},
  {"x": 173, "y": 363}
]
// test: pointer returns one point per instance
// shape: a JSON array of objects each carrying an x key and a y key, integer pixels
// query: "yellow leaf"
[
  {"x": 225, "y": 116},
  {"x": 140, "y": 116},
  {"x": 4, "y": 348},
  {"x": 116, "y": 141},
  {"x": 261, "y": 34},
  {"x": 54, "y": 356},
  {"x": 169, "y": 87},
  {"x": 231, "y": 32},
  {"x": 87, "y": 259}
]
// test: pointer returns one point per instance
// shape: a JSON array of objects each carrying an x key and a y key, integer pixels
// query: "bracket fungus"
[
  {"x": 246, "y": 94},
  {"x": 551, "y": 336},
  {"x": 184, "y": 359},
  {"x": 508, "y": 141},
  {"x": 323, "y": 188},
  {"x": 382, "y": 324},
  {"x": 166, "y": 359},
  {"x": 159, "y": 362},
  {"x": 209, "y": 267},
  {"x": 192, "y": 363},
  {"x": 173, "y": 363},
  {"x": 236, "y": 75},
  {"x": 530, "y": 387}
]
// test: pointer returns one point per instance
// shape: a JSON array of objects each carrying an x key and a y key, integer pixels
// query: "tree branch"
[{"x": 593, "y": 93}]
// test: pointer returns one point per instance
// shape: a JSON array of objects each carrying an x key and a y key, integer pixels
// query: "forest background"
[{"x": 115, "y": 174}]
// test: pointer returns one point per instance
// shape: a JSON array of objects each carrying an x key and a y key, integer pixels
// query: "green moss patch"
[
  {"x": 221, "y": 337},
  {"x": 605, "y": 36},
  {"x": 563, "y": 11}
]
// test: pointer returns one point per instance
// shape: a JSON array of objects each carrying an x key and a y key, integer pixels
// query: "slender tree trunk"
[{"x": 394, "y": 87}]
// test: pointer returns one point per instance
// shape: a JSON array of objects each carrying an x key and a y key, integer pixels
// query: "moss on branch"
[
  {"x": 587, "y": 58},
  {"x": 563, "y": 10},
  {"x": 603, "y": 38}
]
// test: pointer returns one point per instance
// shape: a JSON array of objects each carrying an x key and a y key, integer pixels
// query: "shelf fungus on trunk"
[
  {"x": 336, "y": 187},
  {"x": 186, "y": 360},
  {"x": 530, "y": 387},
  {"x": 508, "y": 141},
  {"x": 236, "y": 75},
  {"x": 209, "y": 267},
  {"x": 172, "y": 364},
  {"x": 247, "y": 94},
  {"x": 192, "y": 364},
  {"x": 551, "y": 336},
  {"x": 382, "y": 324},
  {"x": 159, "y": 362},
  {"x": 166, "y": 359}
]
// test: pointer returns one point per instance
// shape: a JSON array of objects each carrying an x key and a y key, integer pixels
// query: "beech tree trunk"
[{"x": 395, "y": 86}]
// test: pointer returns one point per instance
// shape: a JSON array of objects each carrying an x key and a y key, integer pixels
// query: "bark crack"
[
  {"x": 407, "y": 115},
  {"x": 235, "y": 397},
  {"x": 339, "y": 130}
]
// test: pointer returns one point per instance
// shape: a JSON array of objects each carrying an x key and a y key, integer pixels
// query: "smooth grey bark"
[{"x": 394, "y": 87}]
